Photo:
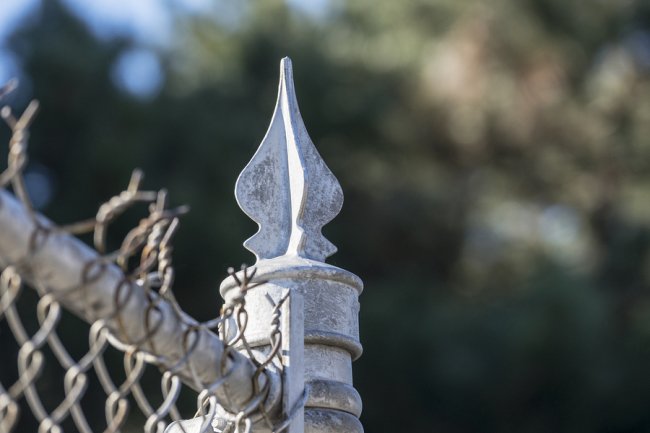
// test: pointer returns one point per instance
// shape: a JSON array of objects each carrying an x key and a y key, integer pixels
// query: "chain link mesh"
[{"x": 41, "y": 350}]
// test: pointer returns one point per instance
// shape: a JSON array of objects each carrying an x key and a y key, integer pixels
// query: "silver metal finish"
[
  {"x": 133, "y": 310},
  {"x": 289, "y": 191},
  {"x": 287, "y": 333},
  {"x": 60, "y": 265}
]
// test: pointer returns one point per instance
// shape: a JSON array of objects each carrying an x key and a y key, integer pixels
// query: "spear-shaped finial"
[{"x": 286, "y": 187}]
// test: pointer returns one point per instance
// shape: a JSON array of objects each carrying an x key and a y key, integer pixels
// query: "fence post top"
[
  {"x": 287, "y": 188},
  {"x": 289, "y": 191}
]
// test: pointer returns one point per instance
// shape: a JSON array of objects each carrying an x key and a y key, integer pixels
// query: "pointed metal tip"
[
  {"x": 286, "y": 70},
  {"x": 287, "y": 188},
  {"x": 285, "y": 62}
]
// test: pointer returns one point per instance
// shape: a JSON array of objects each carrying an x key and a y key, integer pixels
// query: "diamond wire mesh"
[{"x": 41, "y": 349}]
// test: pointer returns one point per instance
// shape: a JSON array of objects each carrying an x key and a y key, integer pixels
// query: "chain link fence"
[{"x": 49, "y": 279}]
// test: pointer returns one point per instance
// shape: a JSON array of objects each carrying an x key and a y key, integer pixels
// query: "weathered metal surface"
[
  {"x": 289, "y": 191},
  {"x": 287, "y": 188},
  {"x": 331, "y": 336},
  {"x": 71, "y": 271}
]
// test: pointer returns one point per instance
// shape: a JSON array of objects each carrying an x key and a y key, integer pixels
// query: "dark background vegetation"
[{"x": 495, "y": 161}]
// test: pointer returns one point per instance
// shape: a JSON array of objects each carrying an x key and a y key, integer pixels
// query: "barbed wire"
[{"x": 149, "y": 244}]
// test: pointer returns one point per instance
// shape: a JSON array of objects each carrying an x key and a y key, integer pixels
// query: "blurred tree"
[{"x": 495, "y": 161}]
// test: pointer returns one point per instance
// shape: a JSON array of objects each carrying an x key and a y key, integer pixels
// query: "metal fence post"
[{"x": 289, "y": 191}]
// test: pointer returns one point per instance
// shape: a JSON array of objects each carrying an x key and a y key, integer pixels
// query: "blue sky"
[
  {"x": 144, "y": 20},
  {"x": 148, "y": 22}
]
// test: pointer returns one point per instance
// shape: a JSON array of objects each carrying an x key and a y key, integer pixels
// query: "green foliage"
[{"x": 495, "y": 160}]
